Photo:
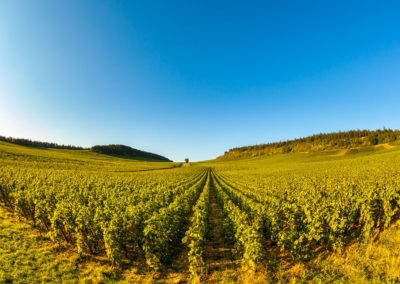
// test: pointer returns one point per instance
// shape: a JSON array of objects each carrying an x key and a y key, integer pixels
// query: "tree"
[{"x": 373, "y": 139}]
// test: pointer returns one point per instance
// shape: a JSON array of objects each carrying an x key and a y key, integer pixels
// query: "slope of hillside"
[
  {"x": 85, "y": 160},
  {"x": 127, "y": 152},
  {"x": 112, "y": 150},
  {"x": 318, "y": 142}
]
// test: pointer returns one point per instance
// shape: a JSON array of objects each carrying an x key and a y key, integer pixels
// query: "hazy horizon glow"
[{"x": 194, "y": 79}]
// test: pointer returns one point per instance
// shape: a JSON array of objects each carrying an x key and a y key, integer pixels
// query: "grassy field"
[
  {"x": 86, "y": 160},
  {"x": 40, "y": 187}
]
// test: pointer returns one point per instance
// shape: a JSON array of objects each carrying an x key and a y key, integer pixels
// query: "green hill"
[
  {"x": 318, "y": 142},
  {"x": 126, "y": 151},
  {"x": 121, "y": 151},
  {"x": 79, "y": 160}
]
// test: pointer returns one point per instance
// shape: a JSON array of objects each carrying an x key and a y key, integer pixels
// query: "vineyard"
[{"x": 287, "y": 208}]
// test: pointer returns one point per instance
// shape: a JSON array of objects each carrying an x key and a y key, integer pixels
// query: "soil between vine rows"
[{"x": 218, "y": 251}]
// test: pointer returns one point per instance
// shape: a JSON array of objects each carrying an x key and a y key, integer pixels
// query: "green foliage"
[
  {"x": 126, "y": 151},
  {"x": 298, "y": 202},
  {"x": 101, "y": 213},
  {"x": 195, "y": 237},
  {"x": 307, "y": 205},
  {"x": 165, "y": 228},
  {"x": 244, "y": 230},
  {"x": 31, "y": 143},
  {"x": 318, "y": 142}
]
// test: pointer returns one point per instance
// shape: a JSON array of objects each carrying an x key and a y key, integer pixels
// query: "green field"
[{"x": 76, "y": 215}]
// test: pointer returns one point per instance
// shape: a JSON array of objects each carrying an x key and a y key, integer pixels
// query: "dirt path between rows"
[{"x": 218, "y": 251}]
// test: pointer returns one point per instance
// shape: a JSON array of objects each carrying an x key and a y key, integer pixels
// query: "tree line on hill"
[
  {"x": 318, "y": 142},
  {"x": 32, "y": 143}
]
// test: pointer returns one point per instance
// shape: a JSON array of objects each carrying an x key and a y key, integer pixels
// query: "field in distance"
[
  {"x": 69, "y": 215},
  {"x": 80, "y": 160}
]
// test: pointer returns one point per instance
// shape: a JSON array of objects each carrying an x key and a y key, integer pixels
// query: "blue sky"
[{"x": 196, "y": 78}]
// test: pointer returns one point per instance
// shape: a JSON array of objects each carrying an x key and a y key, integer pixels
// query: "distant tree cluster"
[
  {"x": 126, "y": 151},
  {"x": 32, "y": 143},
  {"x": 318, "y": 142}
]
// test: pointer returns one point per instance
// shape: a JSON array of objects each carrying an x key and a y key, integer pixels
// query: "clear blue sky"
[{"x": 195, "y": 78}]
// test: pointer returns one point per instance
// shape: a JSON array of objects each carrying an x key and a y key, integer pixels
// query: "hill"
[
  {"x": 318, "y": 142},
  {"x": 126, "y": 151},
  {"x": 78, "y": 160},
  {"x": 121, "y": 151},
  {"x": 33, "y": 143}
]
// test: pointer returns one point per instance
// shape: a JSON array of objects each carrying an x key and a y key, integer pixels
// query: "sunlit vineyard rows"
[
  {"x": 319, "y": 205},
  {"x": 295, "y": 206}
]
